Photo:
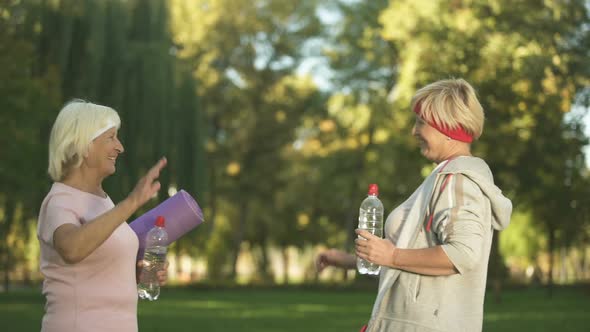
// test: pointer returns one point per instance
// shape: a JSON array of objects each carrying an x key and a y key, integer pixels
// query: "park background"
[{"x": 276, "y": 115}]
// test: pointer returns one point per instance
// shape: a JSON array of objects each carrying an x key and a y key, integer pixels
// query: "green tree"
[
  {"x": 244, "y": 54},
  {"x": 25, "y": 106},
  {"x": 117, "y": 53}
]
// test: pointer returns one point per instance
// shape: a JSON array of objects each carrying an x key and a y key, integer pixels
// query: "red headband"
[{"x": 458, "y": 133}]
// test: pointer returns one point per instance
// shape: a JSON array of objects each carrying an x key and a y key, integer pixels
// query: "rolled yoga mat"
[{"x": 182, "y": 214}]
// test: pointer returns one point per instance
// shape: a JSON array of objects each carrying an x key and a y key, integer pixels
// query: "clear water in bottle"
[
  {"x": 154, "y": 260},
  {"x": 371, "y": 220}
]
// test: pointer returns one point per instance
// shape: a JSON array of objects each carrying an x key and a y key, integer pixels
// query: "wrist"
[
  {"x": 129, "y": 205},
  {"x": 394, "y": 258}
]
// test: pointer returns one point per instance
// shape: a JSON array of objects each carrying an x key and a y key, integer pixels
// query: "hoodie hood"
[{"x": 479, "y": 172}]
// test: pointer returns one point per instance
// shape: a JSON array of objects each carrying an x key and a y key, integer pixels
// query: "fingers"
[
  {"x": 154, "y": 188},
  {"x": 360, "y": 250},
  {"x": 362, "y": 255},
  {"x": 319, "y": 265},
  {"x": 322, "y": 261},
  {"x": 375, "y": 250},
  {"x": 154, "y": 172},
  {"x": 363, "y": 247},
  {"x": 365, "y": 234},
  {"x": 162, "y": 276},
  {"x": 147, "y": 187},
  {"x": 319, "y": 268},
  {"x": 361, "y": 242}
]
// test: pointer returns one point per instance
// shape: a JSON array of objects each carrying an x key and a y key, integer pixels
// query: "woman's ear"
[{"x": 87, "y": 152}]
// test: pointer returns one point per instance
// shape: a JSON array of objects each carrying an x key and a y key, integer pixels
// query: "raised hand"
[{"x": 148, "y": 185}]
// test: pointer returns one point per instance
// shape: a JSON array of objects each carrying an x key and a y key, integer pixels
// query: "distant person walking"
[
  {"x": 88, "y": 252},
  {"x": 437, "y": 243}
]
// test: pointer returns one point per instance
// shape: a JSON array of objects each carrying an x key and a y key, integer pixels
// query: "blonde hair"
[
  {"x": 75, "y": 127},
  {"x": 451, "y": 103}
]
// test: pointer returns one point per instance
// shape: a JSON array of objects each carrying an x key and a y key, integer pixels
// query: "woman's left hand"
[
  {"x": 163, "y": 274},
  {"x": 374, "y": 249}
]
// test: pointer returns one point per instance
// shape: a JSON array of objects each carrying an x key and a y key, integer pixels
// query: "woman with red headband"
[{"x": 435, "y": 253}]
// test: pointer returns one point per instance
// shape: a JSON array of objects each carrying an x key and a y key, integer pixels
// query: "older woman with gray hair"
[
  {"x": 88, "y": 252},
  {"x": 435, "y": 253}
]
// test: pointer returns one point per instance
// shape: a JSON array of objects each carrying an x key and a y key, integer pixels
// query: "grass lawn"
[{"x": 325, "y": 310}]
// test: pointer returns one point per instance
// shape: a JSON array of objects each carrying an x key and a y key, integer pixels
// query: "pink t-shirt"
[{"x": 100, "y": 292}]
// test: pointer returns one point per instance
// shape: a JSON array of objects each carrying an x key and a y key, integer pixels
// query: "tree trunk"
[
  {"x": 27, "y": 276},
  {"x": 7, "y": 262},
  {"x": 583, "y": 264},
  {"x": 4, "y": 248},
  {"x": 264, "y": 262},
  {"x": 212, "y": 200},
  {"x": 579, "y": 265},
  {"x": 285, "y": 252},
  {"x": 239, "y": 237},
  {"x": 551, "y": 260},
  {"x": 563, "y": 265}
]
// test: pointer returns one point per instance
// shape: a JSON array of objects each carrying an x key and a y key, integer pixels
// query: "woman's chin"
[
  {"x": 426, "y": 154},
  {"x": 111, "y": 170},
  {"x": 424, "y": 151}
]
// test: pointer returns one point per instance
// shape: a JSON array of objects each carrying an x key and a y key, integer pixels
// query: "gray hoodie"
[{"x": 466, "y": 212}]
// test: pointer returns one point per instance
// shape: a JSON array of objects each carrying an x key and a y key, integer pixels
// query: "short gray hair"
[{"x": 75, "y": 127}]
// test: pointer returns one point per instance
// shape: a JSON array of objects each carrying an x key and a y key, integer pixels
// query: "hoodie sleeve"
[{"x": 459, "y": 222}]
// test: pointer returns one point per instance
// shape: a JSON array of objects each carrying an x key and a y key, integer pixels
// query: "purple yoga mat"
[{"x": 182, "y": 214}]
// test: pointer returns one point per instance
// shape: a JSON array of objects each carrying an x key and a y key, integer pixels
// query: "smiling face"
[
  {"x": 433, "y": 144},
  {"x": 103, "y": 153}
]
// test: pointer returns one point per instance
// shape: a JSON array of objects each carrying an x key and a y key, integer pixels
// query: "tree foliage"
[{"x": 278, "y": 155}]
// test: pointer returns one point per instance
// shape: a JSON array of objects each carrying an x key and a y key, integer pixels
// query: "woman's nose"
[{"x": 120, "y": 147}]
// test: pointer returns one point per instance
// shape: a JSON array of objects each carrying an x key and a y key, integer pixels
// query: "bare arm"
[
  {"x": 74, "y": 243},
  {"x": 335, "y": 258},
  {"x": 428, "y": 261}
]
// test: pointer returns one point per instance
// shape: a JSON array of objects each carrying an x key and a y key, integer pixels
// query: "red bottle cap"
[
  {"x": 374, "y": 189},
  {"x": 160, "y": 221}
]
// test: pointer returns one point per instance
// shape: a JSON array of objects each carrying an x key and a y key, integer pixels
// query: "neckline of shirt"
[{"x": 61, "y": 184}]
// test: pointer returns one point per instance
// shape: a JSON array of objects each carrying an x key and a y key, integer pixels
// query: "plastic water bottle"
[
  {"x": 154, "y": 260},
  {"x": 371, "y": 220}
]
